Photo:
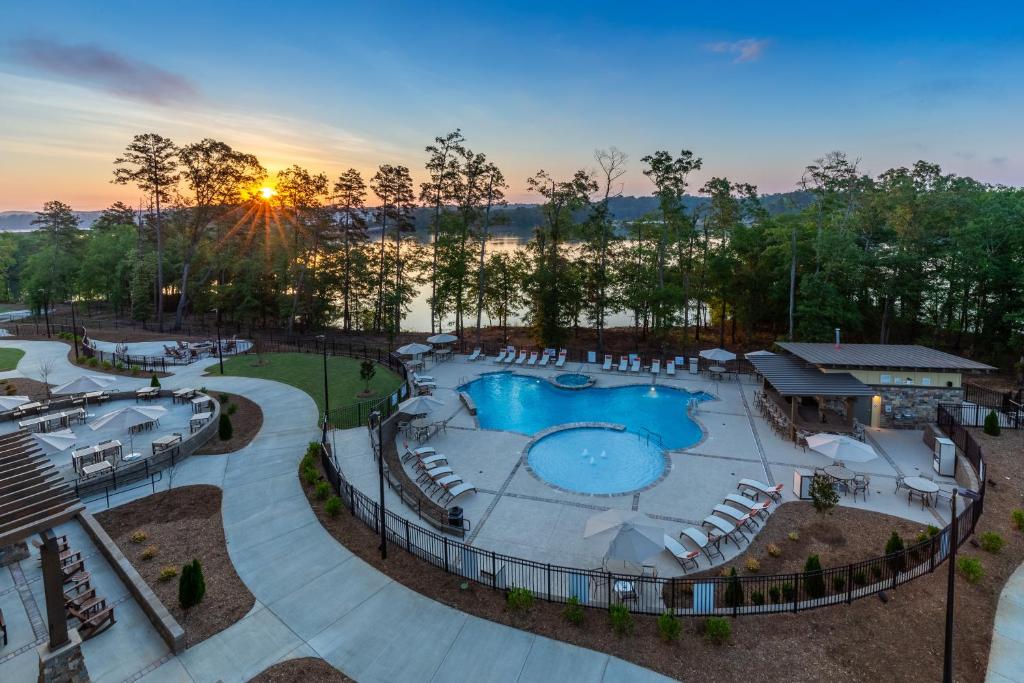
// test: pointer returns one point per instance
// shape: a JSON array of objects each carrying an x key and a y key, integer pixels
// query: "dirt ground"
[
  {"x": 304, "y": 669},
  {"x": 246, "y": 423},
  {"x": 23, "y": 386},
  {"x": 870, "y": 640},
  {"x": 183, "y": 524}
]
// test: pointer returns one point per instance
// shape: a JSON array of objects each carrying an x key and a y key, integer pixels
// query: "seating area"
[
  {"x": 435, "y": 476},
  {"x": 83, "y": 608}
]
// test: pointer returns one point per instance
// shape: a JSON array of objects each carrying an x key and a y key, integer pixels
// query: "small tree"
[
  {"x": 191, "y": 585},
  {"x": 734, "y": 590},
  {"x": 225, "y": 428},
  {"x": 823, "y": 494},
  {"x": 992, "y": 424},
  {"x": 894, "y": 547},
  {"x": 154, "y": 382},
  {"x": 814, "y": 580},
  {"x": 367, "y": 369}
]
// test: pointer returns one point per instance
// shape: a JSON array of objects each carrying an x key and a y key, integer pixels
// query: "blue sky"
[{"x": 755, "y": 89}]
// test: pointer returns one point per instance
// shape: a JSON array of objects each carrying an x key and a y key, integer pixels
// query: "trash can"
[{"x": 455, "y": 516}]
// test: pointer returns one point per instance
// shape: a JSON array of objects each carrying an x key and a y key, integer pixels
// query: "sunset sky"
[{"x": 756, "y": 89}]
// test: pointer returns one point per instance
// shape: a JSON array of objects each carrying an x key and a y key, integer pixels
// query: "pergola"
[{"x": 34, "y": 498}]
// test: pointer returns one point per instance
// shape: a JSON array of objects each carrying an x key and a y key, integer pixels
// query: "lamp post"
[
  {"x": 327, "y": 399},
  {"x": 74, "y": 329},
  {"x": 378, "y": 421},
  {"x": 947, "y": 658},
  {"x": 220, "y": 350}
]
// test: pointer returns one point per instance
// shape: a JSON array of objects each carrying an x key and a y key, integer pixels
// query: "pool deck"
[{"x": 513, "y": 512}]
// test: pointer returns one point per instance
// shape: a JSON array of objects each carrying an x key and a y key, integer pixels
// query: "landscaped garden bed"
[
  {"x": 159, "y": 534},
  {"x": 246, "y": 421},
  {"x": 899, "y": 638},
  {"x": 305, "y": 669},
  {"x": 23, "y": 386}
]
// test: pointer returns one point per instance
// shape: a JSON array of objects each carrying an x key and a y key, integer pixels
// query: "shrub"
[
  {"x": 519, "y": 599},
  {"x": 970, "y": 568},
  {"x": 167, "y": 573},
  {"x": 138, "y": 536},
  {"x": 932, "y": 530},
  {"x": 894, "y": 548},
  {"x": 232, "y": 408},
  {"x": 82, "y": 360},
  {"x": 774, "y": 550},
  {"x": 149, "y": 553},
  {"x": 621, "y": 619},
  {"x": 838, "y": 583},
  {"x": 669, "y": 627},
  {"x": 333, "y": 506},
  {"x": 753, "y": 566},
  {"x": 106, "y": 365},
  {"x": 323, "y": 489},
  {"x": 992, "y": 424},
  {"x": 1018, "y": 519},
  {"x": 313, "y": 449},
  {"x": 991, "y": 542},
  {"x": 823, "y": 494},
  {"x": 574, "y": 612},
  {"x": 788, "y": 591},
  {"x": 757, "y": 597},
  {"x": 367, "y": 369},
  {"x": 734, "y": 591},
  {"x": 860, "y": 578},
  {"x": 224, "y": 427},
  {"x": 93, "y": 362},
  {"x": 793, "y": 536},
  {"x": 310, "y": 476},
  {"x": 717, "y": 630},
  {"x": 191, "y": 585},
  {"x": 135, "y": 372},
  {"x": 876, "y": 572},
  {"x": 223, "y": 398},
  {"x": 814, "y": 579},
  {"x": 154, "y": 382},
  {"x": 921, "y": 537},
  {"x": 774, "y": 594}
]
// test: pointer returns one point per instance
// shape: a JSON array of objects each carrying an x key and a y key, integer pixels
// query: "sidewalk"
[{"x": 1006, "y": 658}]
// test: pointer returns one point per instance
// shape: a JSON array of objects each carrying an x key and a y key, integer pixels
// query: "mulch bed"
[
  {"x": 183, "y": 524},
  {"x": 87, "y": 365},
  {"x": 306, "y": 669},
  {"x": 901, "y": 639},
  {"x": 246, "y": 423},
  {"x": 23, "y": 386}
]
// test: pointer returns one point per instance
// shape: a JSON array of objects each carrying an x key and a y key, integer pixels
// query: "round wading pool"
[
  {"x": 595, "y": 460},
  {"x": 572, "y": 380}
]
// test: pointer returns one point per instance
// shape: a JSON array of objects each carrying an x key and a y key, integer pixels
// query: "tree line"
[{"x": 911, "y": 255}]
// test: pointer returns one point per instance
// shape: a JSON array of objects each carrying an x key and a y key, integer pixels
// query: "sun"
[{"x": 267, "y": 192}]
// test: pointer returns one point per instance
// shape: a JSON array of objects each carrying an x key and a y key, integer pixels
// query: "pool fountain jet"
[
  {"x": 591, "y": 460},
  {"x": 586, "y": 452},
  {"x": 603, "y": 455}
]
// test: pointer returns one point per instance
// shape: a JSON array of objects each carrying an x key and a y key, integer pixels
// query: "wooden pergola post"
[
  {"x": 792, "y": 417},
  {"x": 53, "y": 586}
]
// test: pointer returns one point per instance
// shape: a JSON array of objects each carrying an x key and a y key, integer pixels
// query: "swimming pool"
[
  {"x": 529, "y": 404},
  {"x": 596, "y": 461}
]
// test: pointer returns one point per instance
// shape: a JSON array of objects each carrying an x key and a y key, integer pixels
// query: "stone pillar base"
[
  {"x": 15, "y": 552},
  {"x": 65, "y": 664}
]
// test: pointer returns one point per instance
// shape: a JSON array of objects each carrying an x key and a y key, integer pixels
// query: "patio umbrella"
[
  {"x": 126, "y": 418},
  {"x": 84, "y": 384},
  {"x": 718, "y": 355},
  {"x": 412, "y": 349},
  {"x": 840, "y": 447},
  {"x": 627, "y": 535},
  {"x": 12, "y": 402},
  {"x": 419, "y": 405},
  {"x": 762, "y": 352},
  {"x": 443, "y": 338},
  {"x": 55, "y": 442}
]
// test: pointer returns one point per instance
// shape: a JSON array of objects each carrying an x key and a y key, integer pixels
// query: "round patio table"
[
  {"x": 925, "y": 487},
  {"x": 716, "y": 371},
  {"x": 838, "y": 473}
]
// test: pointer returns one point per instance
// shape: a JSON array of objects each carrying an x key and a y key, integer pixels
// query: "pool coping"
[{"x": 611, "y": 426}]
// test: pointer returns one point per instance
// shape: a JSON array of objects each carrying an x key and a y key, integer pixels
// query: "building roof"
[
  {"x": 791, "y": 377},
  {"x": 33, "y": 495},
  {"x": 905, "y": 356}
]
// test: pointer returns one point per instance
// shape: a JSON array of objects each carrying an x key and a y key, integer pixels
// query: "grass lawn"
[
  {"x": 306, "y": 371},
  {"x": 9, "y": 359}
]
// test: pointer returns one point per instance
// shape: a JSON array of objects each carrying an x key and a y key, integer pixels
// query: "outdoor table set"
[
  {"x": 146, "y": 393},
  {"x": 182, "y": 395},
  {"x": 165, "y": 442},
  {"x": 922, "y": 487},
  {"x": 196, "y": 422},
  {"x": 100, "y": 467},
  {"x": 201, "y": 404},
  {"x": 44, "y": 423},
  {"x": 26, "y": 408},
  {"x": 89, "y": 456}
]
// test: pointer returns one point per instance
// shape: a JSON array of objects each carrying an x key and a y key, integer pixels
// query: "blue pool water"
[
  {"x": 528, "y": 404},
  {"x": 590, "y": 460}
]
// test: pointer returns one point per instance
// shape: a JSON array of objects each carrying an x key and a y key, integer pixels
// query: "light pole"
[
  {"x": 74, "y": 329},
  {"x": 947, "y": 658},
  {"x": 327, "y": 398},
  {"x": 378, "y": 421},
  {"x": 220, "y": 350}
]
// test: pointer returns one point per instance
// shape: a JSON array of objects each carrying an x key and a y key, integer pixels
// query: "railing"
[
  {"x": 1008, "y": 405},
  {"x": 974, "y": 415},
  {"x": 948, "y": 420},
  {"x": 650, "y": 436}
]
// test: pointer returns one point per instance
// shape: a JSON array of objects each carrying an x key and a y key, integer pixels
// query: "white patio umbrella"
[
  {"x": 626, "y": 535},
  {"x": 12, "y": 402},
  {"x": 419, "y": 405},
  {"x": 126, "y": 418},
  {"x": 55, "y": 442},
  {"x": 85, "y": 384},
  {"x": 443, "y": 338},
  {"x": 839, "y": 447},
  {"x": 413, "y": 349},
  {"x": 718, "y": 355},
  {"x": 762, "y": 352}
]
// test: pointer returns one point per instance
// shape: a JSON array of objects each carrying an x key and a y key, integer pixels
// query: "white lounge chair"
[
  {"x": 685, "y": 558},
  {"x": 456, "y": 491},
  {"x": 680, "y": 363},
  {"x": 707, "y": 546},
  {"x": 623, "y": 364},
  {"x": 544, "y": 358},
  {"x": 500, "y": 357},
  {"x": 522, "y": 358},
  {"x": 434, "y": 473},
  {"x": 634, "y": 365},
  {"x": 670, "y": 368},
  {"x": 510, "y": 358},
  {"x": 562, "y": 355},
  {"x": 473, "y": 356},
  {"x": 727, "y": 529},
  {"x": 759, "y": 487},
  {"x": 533, "y": 358},
  {"x": 422, "y": 379},
  {"x": 655, "y": 367},
  {"x": 418, "y": 453},
  {"x": 607, "y": 362},
  {"x": 735, "y": 516},
  {"x": 432, "y": 461},
  {"x": 748, "y": 503},
  {"x": 444, "y": 483}
]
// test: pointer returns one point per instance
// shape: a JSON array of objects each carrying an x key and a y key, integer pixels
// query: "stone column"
[{"x": 65, "y": 664}]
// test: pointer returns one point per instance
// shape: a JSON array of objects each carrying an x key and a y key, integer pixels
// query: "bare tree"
[{"x": 46, "y": 368}]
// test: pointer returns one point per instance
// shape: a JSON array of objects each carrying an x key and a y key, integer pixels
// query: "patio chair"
[
  {"x": 433, "y": 474},
  {"x": 522, "y": 358},
  {"x": 510, "y": 358},
  {"x": 623, "y": 364},
  {"x": 685, "y": 558},
  {"x": 443, "y": 484},
  {"x": 728, "y": 530},
  {"x": 500, "y": 357},
  {"x": 533, "y": 358},
  {"x": 562, "y": 356},
  {"x": 420, "y": 452},
  {"x": 707, "y": 544},
  {"x": 861, "y": 484},
  {"x": 758, "y": 487},
  {"x": 736, "y": 517},
  {"x": 544, "y": 358},
  {"x": 94, "y": 622},
  {"x": 475, "y": 355},
  {"x": 422, "y": 379},
  {"x": 670, "y": 368},
  {"x": 634, "y": 364},
  {"x": 655, "y": 367},
  {"x": 458, "y": 490},
  {"x": 748, "y": 503},
  {"x": 901, "y": 483},
  {"x": 607, "y": 362}
]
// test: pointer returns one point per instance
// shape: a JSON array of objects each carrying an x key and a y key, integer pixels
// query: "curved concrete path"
[
  {"x": 1006, "y": 656},
  {"x": 313, "y": 596}
]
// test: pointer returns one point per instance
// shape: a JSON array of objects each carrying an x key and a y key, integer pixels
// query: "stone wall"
[{"x": 913, "y": 407}]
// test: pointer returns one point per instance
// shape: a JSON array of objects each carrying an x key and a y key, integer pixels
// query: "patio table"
[
  {"x": 146, "y": 393},
  {"x": 182, "y": 395},
  {"x": 199, "y": 403},
  {"x": 716, "y": 371},
  {"x": 96, "y": 468},
  {"x": 922, "y": 486},
  {"x": 26, "y": 407},
  {"x": 164, "y": 442},
  {"x": 196, "y": 422}
]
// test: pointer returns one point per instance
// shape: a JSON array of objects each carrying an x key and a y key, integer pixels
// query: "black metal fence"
[{"x": 974, "y": 415}]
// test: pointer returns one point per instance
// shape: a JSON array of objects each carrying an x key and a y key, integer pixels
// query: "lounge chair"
[
  {"x": 634, "y": 364},
  {"x": 473, "y": 356},
  {"x": 670, "y": 368},
  {"x": 748, "y": 503},
  {"x": 623, "y": 364},
  {"x": 685, "y": 558},
  {"x": 533, "y": 358},
  {"x": 544, "y": 358},
  {"x": 737, "y": 517},
  {"x": 759, "y": 487},
  {"x": 591, "y": 356},
  {"x": 562, "y": 355},
  {"x": 680, "y": 362},
  {"x": 510, "y": 358},
  {"x": 98, "y": 619},
  {"x": 431, "y": 461},
  {"x": 434, "y": 474},
  {"x": 522, "y": 358},
  {"x": 457, "y": 490},
  {"x": 500, "y": 357},
  {"x": 607, "y": 362},
  {"x": 655, "y": 367},
  {"x": 707, "y": 545},
  {"x": 422, "y": 379},
  {"x": 421, "y": 452},
  {"x": 728, "y": 529}
]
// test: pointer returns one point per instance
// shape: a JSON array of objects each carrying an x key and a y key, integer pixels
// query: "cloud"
[
  {"x": 999, "y": 161},
  {"x": 110, "y": 71},
  {"x": 746, "y": 50}
]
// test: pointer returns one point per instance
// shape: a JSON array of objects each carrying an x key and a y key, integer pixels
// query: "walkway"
[
  {"x": 1006, "y": 657},
  {"x": 313, "y": 596}
]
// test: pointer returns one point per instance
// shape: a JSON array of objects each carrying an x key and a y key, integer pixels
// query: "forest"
[{"x": 912, "y": 255}]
